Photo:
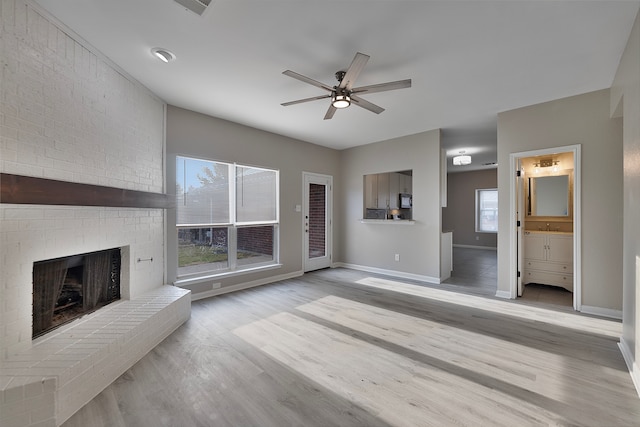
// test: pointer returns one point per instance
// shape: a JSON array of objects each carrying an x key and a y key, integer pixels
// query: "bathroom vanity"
[{"x": 548, "y": 258}]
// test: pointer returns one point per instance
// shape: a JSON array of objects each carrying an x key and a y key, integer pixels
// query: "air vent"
[{"x": 195, "y": 6}]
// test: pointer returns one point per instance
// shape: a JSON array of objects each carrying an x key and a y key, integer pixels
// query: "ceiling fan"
[{"x": 344, "y": 94}]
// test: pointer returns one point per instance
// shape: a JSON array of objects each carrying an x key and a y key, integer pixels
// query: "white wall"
[
  {"x": 198, "y": 135},
  {"x": 585, "y": 120},
  {"x": 374, "y": 245},
  {"x": 68, "y": 114},
  {"x": 625, "y": 101}
]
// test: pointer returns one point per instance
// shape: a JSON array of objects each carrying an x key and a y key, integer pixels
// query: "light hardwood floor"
[{"x": 341, "y": 347}]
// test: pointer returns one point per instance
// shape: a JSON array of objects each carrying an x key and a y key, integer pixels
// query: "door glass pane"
[
  {"x": 317, "y": 220},
  {"x": 202, "y": 249}
]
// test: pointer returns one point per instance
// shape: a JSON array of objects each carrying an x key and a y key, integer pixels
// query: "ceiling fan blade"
[
  {"x": 300, "y": 101},
  {"x": 307, "y": 80},
  {"x": 358, "y": 63},
  {"x": 356, "y": 100},
  {"x": 381, "y": 87},
  {"x": 330, "y": 112}
]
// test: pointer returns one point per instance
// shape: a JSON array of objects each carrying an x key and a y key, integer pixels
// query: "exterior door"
[{"x": 317, "y": 221}]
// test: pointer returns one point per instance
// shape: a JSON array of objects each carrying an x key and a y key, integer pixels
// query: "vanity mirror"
[{"x": 548, "y": 196}]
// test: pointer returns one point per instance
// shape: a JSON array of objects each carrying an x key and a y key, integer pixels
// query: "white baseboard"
[
  {"x": 632, "y": 366},
  {"x": 394, "y": 273},
  {"x": 488, "y": 248},
  {"x": 503, "y": 294},
  {"x": 603, "y": 312},
  {"x": 246, "y": 285}
]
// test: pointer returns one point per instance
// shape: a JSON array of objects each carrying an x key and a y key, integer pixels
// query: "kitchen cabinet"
[
  {"x": 376, "y": 191},
  {"x": 548, "y": 258},
  {"x": 371, "y": 191},
  {"x": 383, "y": 191},
  {"x": 398, "y": 183},
  {"x": 381, "y": 194}
]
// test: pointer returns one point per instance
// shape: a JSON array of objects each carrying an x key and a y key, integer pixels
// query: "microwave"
[{"x": 405, "y": 201}]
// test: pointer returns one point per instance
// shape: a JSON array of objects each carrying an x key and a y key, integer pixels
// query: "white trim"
[
  {"x": 488, "y": 248},
  {"x": 512, "y": 293},
  {"x": 633, "y": 368},
  {"x": 400, "y": 274},
  {"x": 504, "y": 294},
  {"x": 388, "y": 221},
  {"x": 602, "y": 312},
  {"x": 200, "y": 278},
  {"x": 577, "y": 219},
  {"x": 246, "y": 285}
]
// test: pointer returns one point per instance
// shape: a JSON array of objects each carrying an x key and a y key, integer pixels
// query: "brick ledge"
[{"x": 48, "y": 383}]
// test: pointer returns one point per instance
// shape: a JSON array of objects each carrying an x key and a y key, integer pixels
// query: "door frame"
[
  {"x": 328, "y": 180},
  {"x": 514, "y": 194}
]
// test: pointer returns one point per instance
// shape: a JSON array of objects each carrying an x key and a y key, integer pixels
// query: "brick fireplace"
[{"x": 73, "y": 116}]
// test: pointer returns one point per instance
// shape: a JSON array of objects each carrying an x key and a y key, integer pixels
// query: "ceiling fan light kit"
[
  {"x": 344, "y": 94},
  {"x": 340, "y": 101}
]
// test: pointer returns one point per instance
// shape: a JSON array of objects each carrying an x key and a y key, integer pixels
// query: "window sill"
[
  {"x": 206, "y": 277},
  {"x": 388, "y": 221}
]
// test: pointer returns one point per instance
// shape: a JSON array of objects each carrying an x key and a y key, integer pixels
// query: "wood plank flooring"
[{"x": 345, "y": 348}]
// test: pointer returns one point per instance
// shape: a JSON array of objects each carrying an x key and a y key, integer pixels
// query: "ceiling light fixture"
[
  {"x": 462, "y": 160},
  {"x": 163, "y": 54},
  {"x": 340, "y": 100}
]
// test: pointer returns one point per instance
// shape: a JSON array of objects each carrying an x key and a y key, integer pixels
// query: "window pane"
[
  {"x": 256, "y": 194},
  {"x": 255, "y": 245},
  {"x": 202, "y": 192},
  {"x": 487, "y": 210},
  {"x": 202, "y": 249}
]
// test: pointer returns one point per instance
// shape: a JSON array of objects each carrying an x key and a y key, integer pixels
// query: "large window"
[
  {"x": 226, "y": 216},
  {"x": 487, "y": 210}
]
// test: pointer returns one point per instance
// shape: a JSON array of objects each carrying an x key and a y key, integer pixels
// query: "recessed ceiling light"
[{"x": 163, "y": 54}]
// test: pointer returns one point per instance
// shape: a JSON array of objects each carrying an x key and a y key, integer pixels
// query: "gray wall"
[
  {"x": 198, "y": 135},
  {"x": 460, "y": 213},
  {"x": 625, "y": 101},
  {"x": 584, "y": 120},
  {"x": 374, "y": 245}
]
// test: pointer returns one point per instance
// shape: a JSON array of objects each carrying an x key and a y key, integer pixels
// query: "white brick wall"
[{"x": 68, "y": 114}]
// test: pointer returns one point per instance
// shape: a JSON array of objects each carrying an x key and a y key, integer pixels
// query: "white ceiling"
[{"x": 468, "y": 60}]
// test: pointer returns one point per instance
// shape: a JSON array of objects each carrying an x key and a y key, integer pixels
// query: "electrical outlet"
[
  {"x": 397, "y": 257},
  {"x": 477, "y": 237}
]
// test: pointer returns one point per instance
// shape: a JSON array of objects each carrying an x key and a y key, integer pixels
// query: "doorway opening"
[{"x": 545, "y": 226}]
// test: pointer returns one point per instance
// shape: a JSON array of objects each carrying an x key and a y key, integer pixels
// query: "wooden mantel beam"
[{"x": 19, "y": 189}]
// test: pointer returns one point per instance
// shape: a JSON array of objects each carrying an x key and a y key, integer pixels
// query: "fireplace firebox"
[{"x": 67, "y": 288}]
